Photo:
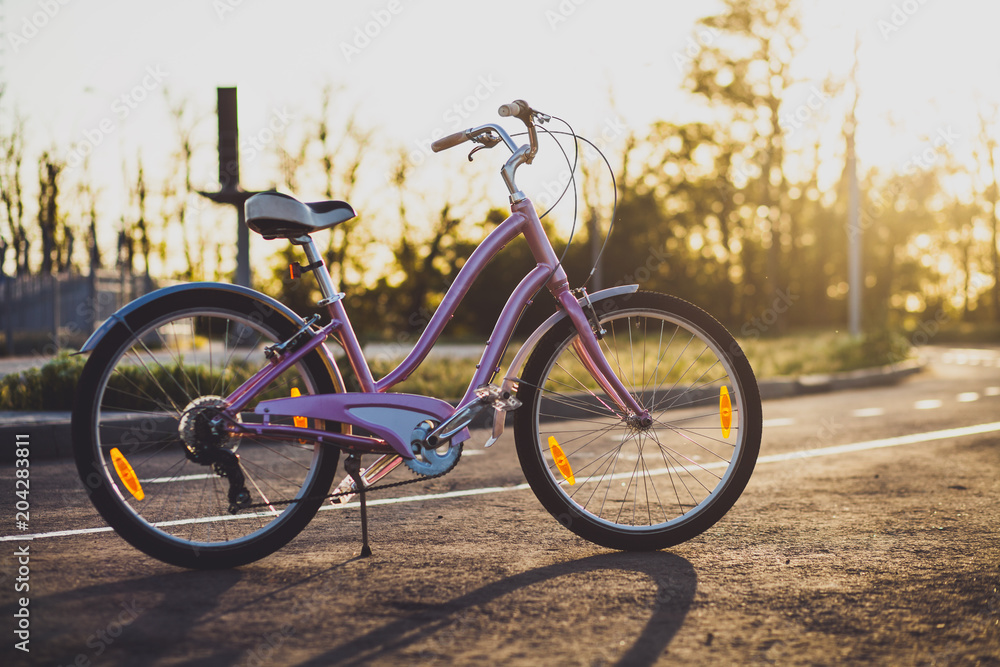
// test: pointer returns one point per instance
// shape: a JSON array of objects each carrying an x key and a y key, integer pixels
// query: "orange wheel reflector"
[
  {"x": 561, "y": 461},
  {"x": 725, "y": 411},
  {"x": 300, "y": 422},
  {"x": 126, "y": 474}
]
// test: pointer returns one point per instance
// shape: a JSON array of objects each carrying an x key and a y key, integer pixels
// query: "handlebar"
[
  {"x": 518, "y": 109},
  {"x": 444, "y": 143},
  {"x": 515, "y": 108},
  {"x": 520, "y": 154}
]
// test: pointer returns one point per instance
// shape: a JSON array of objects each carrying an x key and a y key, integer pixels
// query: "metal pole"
[
  {"x": 230, "y": 191},
  {"x": 855, "y": 279},
  {"x": 229, "y": 156},
  {"x": 242, "y": 249},
  {"x": 229, "y": 176}
]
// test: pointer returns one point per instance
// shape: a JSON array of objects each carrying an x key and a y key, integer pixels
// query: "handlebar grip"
[
  {"x": 513, "y": 109},
  {"x": 451, "y": 140}
]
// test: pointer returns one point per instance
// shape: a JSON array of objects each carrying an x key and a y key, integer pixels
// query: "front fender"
[
  {"x": 514, "y": 369},
  {"x": 122, "y": 315}
]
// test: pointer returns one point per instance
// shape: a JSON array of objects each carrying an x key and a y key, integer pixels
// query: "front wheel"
[
  {"x": 145, "y": 446},
  {"x": 613, "y": 481}
]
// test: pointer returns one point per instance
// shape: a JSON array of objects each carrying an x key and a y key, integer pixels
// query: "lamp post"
[
  {"x": 855, "y": 278},
  {"x": 230, "y": 191}
]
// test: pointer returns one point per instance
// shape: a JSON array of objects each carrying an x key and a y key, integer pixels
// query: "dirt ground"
[{"x": 882, "y": 556}]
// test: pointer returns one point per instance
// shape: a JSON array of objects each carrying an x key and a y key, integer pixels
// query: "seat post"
[{"x": 326, "y": 286}]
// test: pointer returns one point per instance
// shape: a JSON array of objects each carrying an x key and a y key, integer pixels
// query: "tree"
[
  {"x": 745, "y": 69},
  {"x": 896, "y": 208},
  {"x": 350, "y": 149},
  {"x": 177, "y": 190},
  {"x": 49, "y": 220},
  {"x": 685, "y": 171},
  {"x": 87, "y": 196},
  {"x": 11, "y": 195},
  {"x": 989, "y": 196},
  {"x": 138, "y": 196},
  {"x": 340, "y": 148}
]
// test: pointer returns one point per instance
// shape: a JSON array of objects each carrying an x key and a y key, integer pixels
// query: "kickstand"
[{"x": 352, "y": 464}]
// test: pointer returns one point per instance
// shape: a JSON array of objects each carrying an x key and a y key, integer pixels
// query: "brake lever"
[{"x": 485, "y": 140}]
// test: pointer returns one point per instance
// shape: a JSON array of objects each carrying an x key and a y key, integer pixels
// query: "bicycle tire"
[
  {"x": 129, "y": 398},
  {"x": 560, "y": 400}
]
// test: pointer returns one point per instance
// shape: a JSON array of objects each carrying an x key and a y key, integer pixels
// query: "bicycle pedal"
[
  {"x": 507, "y": 404},
  {"x": 346, "y": 487},
  {"x": 497, "y": 397}
]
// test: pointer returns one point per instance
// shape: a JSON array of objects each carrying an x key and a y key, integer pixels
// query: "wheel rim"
[
  {"x": 163, "y": 368},
  {"x": 624, "y": 477}
]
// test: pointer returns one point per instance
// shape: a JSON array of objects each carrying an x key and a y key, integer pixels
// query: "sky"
[{"x": 92, "y": 76}]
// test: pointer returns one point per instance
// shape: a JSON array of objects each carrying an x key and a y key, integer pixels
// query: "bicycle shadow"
[
  {"x": 675, "y": 583},
  {"x": 124, "y": 622}
]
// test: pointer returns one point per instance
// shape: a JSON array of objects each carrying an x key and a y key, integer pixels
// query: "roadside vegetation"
[{"x": 52, "y": 385}]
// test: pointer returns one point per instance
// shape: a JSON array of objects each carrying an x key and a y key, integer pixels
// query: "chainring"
[{"x": 435, "y": 461}]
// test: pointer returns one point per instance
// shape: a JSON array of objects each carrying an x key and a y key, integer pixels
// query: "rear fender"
[{"x": 123, "y": 316}]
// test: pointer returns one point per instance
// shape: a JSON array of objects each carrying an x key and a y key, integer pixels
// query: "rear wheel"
[
  {"x": 618, "y": 483},
  {"x": 146, "y": 450}
]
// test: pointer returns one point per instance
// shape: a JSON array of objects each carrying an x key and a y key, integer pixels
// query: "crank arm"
[{"x": 486, "y": 396}]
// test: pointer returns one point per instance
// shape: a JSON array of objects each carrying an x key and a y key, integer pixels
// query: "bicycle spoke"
[
  {"x": 630, "y": 480},
  {"x": 157, "y": 375}
]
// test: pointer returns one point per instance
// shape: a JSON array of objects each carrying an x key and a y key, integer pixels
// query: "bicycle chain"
[{"x": 368, "y": 489}]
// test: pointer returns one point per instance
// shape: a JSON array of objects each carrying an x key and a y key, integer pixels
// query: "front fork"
[{"x": 593, "y": 359}]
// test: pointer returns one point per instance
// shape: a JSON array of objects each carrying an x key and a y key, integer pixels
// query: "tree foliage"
[{"x": 725, "y": 212}]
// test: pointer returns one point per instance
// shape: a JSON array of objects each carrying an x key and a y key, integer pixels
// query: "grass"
[
  {"x": 958, "y": 333},
  {"x": 51, "y": 387},
  {"x": 823, "y": 352},
  {"x": 802, "y": 354}
]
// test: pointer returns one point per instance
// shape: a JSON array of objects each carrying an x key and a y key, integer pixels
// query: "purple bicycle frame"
[{"x": 548, "y": 271}]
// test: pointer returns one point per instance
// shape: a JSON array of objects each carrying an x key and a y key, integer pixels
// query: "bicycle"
[{"x": 210, "y": 418}]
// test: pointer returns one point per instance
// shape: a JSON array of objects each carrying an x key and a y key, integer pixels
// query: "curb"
[
  {"x": 48, "y": 435},
  {"x": 49, "y": 432},
  {"x": 864, "y": 378}
]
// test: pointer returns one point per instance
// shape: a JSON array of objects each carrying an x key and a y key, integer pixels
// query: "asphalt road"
[{"x": 885, "y": 551}]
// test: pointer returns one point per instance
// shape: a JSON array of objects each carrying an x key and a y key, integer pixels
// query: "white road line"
[
  {"x": 897, "y": 441},
  {"x": 56, "y": 533},
  {"x": 992, "y": 391},
  {"x": 780, "y": 421},
  {"x": 971, "y": 356},
  {"x": 929, "y": 404},
  {"x": 868, "y": 412},
  {"x": 884, "y": 442},
  {"x": 968, "y": 397}
]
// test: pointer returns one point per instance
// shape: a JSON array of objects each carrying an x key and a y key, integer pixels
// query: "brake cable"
[
  {"x": 614, "y": 186},
  {"x": 614, "y": 206},
  {"x": 572, "y": 181}
]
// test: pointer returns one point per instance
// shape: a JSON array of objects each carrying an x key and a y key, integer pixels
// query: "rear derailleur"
[{"x": 207, "y": 441}]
